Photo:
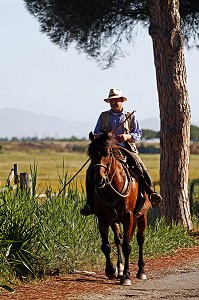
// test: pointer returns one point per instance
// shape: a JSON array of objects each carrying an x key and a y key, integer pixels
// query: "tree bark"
[{"x": 174, "y": 110}]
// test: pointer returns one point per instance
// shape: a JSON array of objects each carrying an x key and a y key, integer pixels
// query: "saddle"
[
  {"x": 134, "y": 170},
  {"x": 129, "y": 161}
]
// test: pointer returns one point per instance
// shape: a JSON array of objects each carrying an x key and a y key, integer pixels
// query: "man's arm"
[
  {"x": 98, "y": 127},
  {"x": 136, "y": 131}
]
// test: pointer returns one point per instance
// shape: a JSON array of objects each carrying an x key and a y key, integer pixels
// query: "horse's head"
[{"x": 100, "y": 152}]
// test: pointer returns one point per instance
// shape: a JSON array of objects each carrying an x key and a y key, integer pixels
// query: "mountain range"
[{"x": 19, "y": 124}]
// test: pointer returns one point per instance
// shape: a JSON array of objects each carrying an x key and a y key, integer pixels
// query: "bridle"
[{"x": 108, "y": 181}]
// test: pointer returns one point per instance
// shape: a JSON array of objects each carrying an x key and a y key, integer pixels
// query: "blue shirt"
[{"x": 115, "y": 120}]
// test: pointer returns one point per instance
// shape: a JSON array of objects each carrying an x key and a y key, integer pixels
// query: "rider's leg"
[
  {"x": 154, "y": 197},
  {"x": 89, "y": 206},
  {"x": 138, "y": 169}
]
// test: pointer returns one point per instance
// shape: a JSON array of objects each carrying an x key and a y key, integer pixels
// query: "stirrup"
[
  {"x": 86, "y": 210},
  {"x": 155, "y": 199}
]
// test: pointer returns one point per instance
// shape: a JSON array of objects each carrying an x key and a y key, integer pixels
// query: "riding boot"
[
  {"x": 154, "y": 197},
  {"x": 88, "y": 208}
]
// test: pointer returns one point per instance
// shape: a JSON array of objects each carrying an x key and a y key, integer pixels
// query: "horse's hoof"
[
  {"x": 112, "y": 276},
  {"x": 141, "y": 276},
  {"x": 125, "y": 281}
]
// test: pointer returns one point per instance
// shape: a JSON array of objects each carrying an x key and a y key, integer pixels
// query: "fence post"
[
  {"x": 24, "y": 181},
  {"x": 16, "y": 177}
]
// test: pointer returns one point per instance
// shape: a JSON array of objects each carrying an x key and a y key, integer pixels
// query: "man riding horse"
[{"x": 126, "y": 130}]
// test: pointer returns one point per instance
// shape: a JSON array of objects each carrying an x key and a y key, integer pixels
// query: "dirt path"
[
  {"x": 180, "y": 284},
  {"x": 171, "y": 277}
]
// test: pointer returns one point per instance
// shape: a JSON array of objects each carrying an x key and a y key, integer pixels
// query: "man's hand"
[{"x": 124, "y": 137}]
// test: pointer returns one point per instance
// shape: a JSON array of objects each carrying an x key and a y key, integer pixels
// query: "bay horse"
[{"x": 117, "y": 201}]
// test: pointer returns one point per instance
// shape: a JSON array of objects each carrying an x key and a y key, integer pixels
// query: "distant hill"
[
  {"x": 19, "y": 123},
  {"x": 150, "y": 123}
]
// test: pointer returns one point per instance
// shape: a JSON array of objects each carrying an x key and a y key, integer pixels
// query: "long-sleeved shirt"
[{"x": 115, "y": 120}]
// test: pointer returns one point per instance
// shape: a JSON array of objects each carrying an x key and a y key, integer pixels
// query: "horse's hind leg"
[
  {"x": 118, "y": 241},
  {"x": 111, "y": 270},
  {"x": 141, "y": 224}
]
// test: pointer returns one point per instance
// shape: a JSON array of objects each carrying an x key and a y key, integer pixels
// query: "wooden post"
[
  {"x": 24, "y": 181},
  {"x": 16, "y": 178}
]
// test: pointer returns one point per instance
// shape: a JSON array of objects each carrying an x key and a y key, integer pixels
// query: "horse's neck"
[
  {"x": 118, "y": 155},
  {"x": 118, "y": 166}
]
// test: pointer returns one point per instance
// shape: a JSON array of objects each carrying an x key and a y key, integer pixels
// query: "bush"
[{"x": 38, "y": 236}]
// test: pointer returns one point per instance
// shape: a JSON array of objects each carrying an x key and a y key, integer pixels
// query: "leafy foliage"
[
  {"x": 39, "y": 236},
  {"x": 194, "y": 134},
  {"x": 149, "y": 134},
  {"x": 166, "y": 238},
  {"x": 92, "y": 25},
  {"x": 19, "y": 228}
]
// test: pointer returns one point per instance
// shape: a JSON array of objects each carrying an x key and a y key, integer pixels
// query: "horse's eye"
[{"x": 98, "y": 153}]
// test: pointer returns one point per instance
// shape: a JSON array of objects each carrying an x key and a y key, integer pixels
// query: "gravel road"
[{"x": 180, "y": 284}]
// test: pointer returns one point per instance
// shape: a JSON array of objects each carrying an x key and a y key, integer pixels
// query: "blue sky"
[{"x": 39, "y": 77}]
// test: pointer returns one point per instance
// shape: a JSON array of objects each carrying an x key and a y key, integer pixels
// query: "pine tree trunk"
[{"x": 174, "y": 110}]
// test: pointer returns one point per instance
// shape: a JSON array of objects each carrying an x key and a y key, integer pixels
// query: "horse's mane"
[{"x": 100, "y": 143}]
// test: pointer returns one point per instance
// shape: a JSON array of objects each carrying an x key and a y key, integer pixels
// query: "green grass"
[
  {"x": 39, "y": 237},
  {"x": 163, "y": 239}
]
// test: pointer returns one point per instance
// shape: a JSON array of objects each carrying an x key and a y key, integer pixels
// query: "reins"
[
  {"x": 123, "y": 121},
  {"x": 126, "y": 186},
  {"x": 121, "y": 194},
  {"x": 73, "y": 176}
]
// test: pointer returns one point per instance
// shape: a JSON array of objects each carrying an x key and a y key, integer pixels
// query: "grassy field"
[
  {"x": 53, "y": 163},
  {"x": 50, "y": 166}
]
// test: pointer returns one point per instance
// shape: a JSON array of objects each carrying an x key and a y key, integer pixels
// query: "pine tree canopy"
[{"x": 101, "y": 28}]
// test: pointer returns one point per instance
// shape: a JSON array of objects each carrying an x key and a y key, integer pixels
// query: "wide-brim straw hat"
[{"x": 115, "y": 93}]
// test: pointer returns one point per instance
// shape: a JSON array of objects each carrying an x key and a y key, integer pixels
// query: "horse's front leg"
[
  {"x": 110, "y": 271},
  {"x": 118, "y": 237},
  {"x": 129, "y": 228},
  {"x": 141, "y": 224}
]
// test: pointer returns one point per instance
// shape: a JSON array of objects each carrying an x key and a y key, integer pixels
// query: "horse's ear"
[{"x": 91, "y": 136}]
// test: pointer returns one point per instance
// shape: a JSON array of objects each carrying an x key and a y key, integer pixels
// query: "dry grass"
[
  {"x": 51, "y": 158},
  {"x": 55, "y": 158}
]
